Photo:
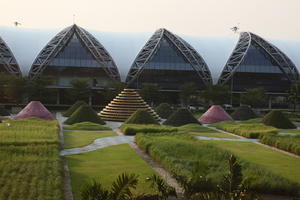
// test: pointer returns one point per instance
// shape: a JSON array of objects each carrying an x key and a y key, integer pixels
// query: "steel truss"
[
  {"x": 50, "y": 51},
  {"x": 186, "y": 50},
  {"x": 8, "y": 60},
  {"x": 241, "y": 49}
]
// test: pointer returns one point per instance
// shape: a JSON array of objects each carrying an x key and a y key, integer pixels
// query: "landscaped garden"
[{"x": 30, "y": 165}]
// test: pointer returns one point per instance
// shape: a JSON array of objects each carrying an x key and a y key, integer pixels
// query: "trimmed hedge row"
[
  {"x": 132, "y": 129},
  {"x": 286, "y": 143}
]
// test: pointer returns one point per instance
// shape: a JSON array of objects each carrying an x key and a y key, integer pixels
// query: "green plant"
[
  {"x": 164, "y": 110},
  {"x": 254, "y": 97},
  {"x": 89, "y": 126},
  {"x": 132, "y": 129},
  {"x": 3, "y": 111},
  {"x": 73, "y": 108},
  {"x": 141, "y": 117},
  {"x": 84, "y": 114},
  {"x": 181, "y": 117},
  {"x": 243, "y": 113},
  {"x": 277, "y": 119}
]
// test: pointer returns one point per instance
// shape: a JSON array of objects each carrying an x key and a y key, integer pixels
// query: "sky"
[{"x": 276, "y": 19}]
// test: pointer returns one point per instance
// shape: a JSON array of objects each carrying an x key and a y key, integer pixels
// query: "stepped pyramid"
[
  {"x": 123, "y": 105},
  {"x": 35, "y": 109}
]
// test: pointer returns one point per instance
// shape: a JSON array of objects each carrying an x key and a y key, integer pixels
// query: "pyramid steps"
[{"x": 124, "y": 105}]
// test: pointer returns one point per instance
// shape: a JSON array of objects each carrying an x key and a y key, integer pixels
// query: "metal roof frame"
[
  {"x": 186, "y": 50},
  {"x": 9, "y": 61},
  {"x": 241, "y": 49},
  {"x": 51, "y": 50}
]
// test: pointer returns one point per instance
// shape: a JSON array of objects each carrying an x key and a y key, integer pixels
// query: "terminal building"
[
  {"x": 75, "y": 54},
  {"x": 168, "y": 61},
  {"x": 256, "y": 63}
]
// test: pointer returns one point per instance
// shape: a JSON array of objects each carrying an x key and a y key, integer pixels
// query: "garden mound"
[
  {"x": 73, "y": 108},
  {"x": 277, "y": 119},
  {"x": 35, "y": 109},
  {"x": 215, "y": 114},
  {"x": 181, "y": 117},
  {"x": 141, "y": 117},
  {"x": 164, "y": 110},
  {"x": 84, "y": 114},
  {"x": 243, "y": 113}
]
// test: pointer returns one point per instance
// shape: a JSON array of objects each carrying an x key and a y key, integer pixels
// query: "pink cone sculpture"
[
  {"x": 215, "y": 114},
  {"x": 35, "y": 109}
]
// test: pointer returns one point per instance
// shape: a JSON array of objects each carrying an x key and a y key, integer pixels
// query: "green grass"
[
  {"x": 132, "y": 129},
  {"x": 277, "y": 162},
  {"x": 30, "y": 166},
  {"x": 87, "y": 126},
  {"x": 74, "y": 139},
  {"x": 181, "y": 153},
  {"x": 105, "y": 165},
  {"x": 199, "y": 130}
]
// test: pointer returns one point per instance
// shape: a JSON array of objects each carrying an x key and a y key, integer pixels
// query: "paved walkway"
[
  {"x": 99, "y": 144},
  {"x": 226, "y": 139}
]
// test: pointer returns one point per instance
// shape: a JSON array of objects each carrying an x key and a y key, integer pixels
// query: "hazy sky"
[{"x": 268, "y": 18}]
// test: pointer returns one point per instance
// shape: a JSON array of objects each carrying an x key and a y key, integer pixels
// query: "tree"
[
  {"x": 112, "y": 89},
  {"x": 187, "y": 91},
  {"x": 216, "y": 94},
  {"x": 294, "y": 95},
  {"x": 37, "y": 89},
  {"x": 150, "y": 93},
  {"x": 15, "y": 88},
  {"x": 81, "y": 90},
  {"x": 254, "y": 97}
]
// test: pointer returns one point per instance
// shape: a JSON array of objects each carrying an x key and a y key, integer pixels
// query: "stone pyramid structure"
[
  {"x": 124, "y": 105},
  {"x": 35, "y": 109},
  {"x": 215, "y": 114}
]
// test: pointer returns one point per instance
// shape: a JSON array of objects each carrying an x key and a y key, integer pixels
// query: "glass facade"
[
  {"x": 75, "y": 61},
  {"x": 258, "y": 69},
  {"x": 168, "y": 68}
]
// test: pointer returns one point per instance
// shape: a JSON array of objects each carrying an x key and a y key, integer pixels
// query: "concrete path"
[
  {"x": 99, "y": 144},
  {"x": 226, "y": 139}
]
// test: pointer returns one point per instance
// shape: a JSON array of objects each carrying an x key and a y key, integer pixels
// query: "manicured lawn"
[
  {"x": 82, "y": 138},
  {"x": 105, "y": 165},
  {"x": 87, "y": 126},
  {"x": 196, "y": 129},
  {"x": 277, "y": 162}
]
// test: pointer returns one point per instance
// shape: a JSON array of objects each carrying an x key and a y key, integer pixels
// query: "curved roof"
[
  {"x": 7, "y": 60},
  {"x": 56, "y": 45},
  {"x": 241, "y": 50},
  {"x": 185, "y": 49}
]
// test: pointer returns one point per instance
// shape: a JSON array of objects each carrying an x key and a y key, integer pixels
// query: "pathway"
[
  {"x": 227, "y": 139},
  {"x": 98, "y": 144}
]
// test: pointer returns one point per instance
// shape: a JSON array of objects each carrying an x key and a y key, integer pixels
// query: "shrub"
[
  {"x": 73, "y": 108},
  {"x": 84, "y": 114},
  {"x": 181, "y": 117},
  {"x": 249, "y": 130},
  {"x": 287, "y": 143},
  {"x": 243, "y": 113},
  {"x": 132, "y": 129},
  {"x": 164, "y": 110},
  {"x": 3, "y": 111},
  {"x": 86, "y": 126},
  {"x": 277, "y": 119},
  {"x": 141, "y": 116}
]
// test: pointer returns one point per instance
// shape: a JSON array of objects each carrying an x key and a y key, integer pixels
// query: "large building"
[
  {"x": 256, "y": 63},
  {"x": 75, "y": 53},
  {"x": 8, "y": 63},
  {"x": 168, "y": 61}
]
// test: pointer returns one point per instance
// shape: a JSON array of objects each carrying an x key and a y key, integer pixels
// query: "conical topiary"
[
  {"x": 74, "y": 107},
  {"x": 181, "y": 117},
  {"x": 3, "y": 111},
  {"x": 243, "y": 113},
  {"x": 84, "y": 114},
  {"x": 277, "y": 119},
  {"x": 215, "y": 114},
  {"x": 164, "y": 110},
  {"x": 141, "y": 117}
]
